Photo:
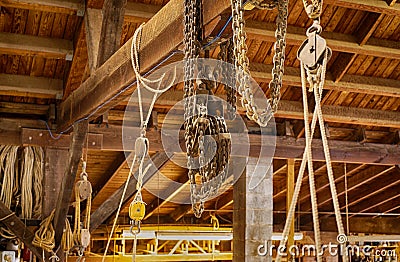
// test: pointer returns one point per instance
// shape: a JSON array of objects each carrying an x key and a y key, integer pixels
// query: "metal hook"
[{"x": 135, "y": 223}]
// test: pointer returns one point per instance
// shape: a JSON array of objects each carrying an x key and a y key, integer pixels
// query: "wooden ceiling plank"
[
  {"x": 367, "y": 27},
  {"x": 117, "y": 73},
  {"x": 29, "y": 86},
  {"x": 15, "y": 225},
  {"x": 70, "y": 7},
  {"x": 28, "y": 45},
  {"x": 110, "y": 205},
  {"x": 67, "y": 184},
  {"x": 336, "y": 41}
]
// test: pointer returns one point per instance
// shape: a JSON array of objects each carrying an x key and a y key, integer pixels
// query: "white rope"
[
  {"x": 307, "y": 156},
  {"x": 311, "y": 179},
  {"x": 119, "y": 208},
  {"x": 347, "y": 199}
]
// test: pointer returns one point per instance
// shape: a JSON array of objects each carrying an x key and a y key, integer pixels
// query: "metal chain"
[
  {"x": 226, "y": 55},
  {"x": 263, "y": 4},
  {"x": 279, "y": 55},
  {"x": 198, "y": 124},
  {"x": 314, "y": 9},
  {"x": 242, "y": 62}
]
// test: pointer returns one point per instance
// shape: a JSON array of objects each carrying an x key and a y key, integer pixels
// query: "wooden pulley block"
[
  {"x": 141, "y": 147},
  {"x": 312, "y": 50},
  {"x": 85, "y": 189},
  {"x": 85, "y": 237},
  {"x": 137, "y": 210}
]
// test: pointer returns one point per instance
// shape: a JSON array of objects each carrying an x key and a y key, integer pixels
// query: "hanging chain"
[
  {"x": 242, "y": 62},
  {"x": 202, "y": 127},
  {"x": 226, "y": 55},
  {"x": 314, "y": 9}
]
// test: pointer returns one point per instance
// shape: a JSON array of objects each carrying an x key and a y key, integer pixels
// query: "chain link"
[
  {"x": 263, "y": 4},
  {"x": 242, "y": 62}
]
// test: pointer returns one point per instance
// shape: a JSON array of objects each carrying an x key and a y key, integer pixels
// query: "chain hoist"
[
  {"x": 83, "y": 191},
  {"x": 242, "y": 61},
  {"x": 314, "y": 56},
  {"x": 206, "y": 135}
]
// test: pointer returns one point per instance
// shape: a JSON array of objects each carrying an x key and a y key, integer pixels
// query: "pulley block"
[
  {"x": 85, "y": 237},
  {"x": 85, "y": 189},
  {"x": 137, "y": 210},
  {"x": 141, "y": 147}
]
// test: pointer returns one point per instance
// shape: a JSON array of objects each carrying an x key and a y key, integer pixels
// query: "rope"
[
  {"x": 37, "y": 181},
  {"x": 44, "y": 236},
  {"x": 67, "y": 240},
  {"x": 119, "y": 208},
  {"x": 8, "y": 159},
  {"x": 26, "y": 184},
  {"x": 347, "y": 199}
]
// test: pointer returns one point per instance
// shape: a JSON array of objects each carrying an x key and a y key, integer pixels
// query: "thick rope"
[
  {"x": 37, "y": 182},
  {"x": 44, "y": 236}
]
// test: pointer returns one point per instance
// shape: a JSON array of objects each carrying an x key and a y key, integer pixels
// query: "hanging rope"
[
  {"x": 37, "y": 181},
  {"x": 44, "y": 236},
  {"x": 142, "y": 143},
  {"x": 314, "y": 55}
]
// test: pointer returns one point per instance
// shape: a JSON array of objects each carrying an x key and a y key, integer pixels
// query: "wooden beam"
[
  {"x": 116, "y": 73},
  {"x": 367, "y": 5},
  {"x": 23, "y": 108},
  {"x": 72, "y": 6},
  {"x": 93, "y": 23},
  {"x": 55, "y": 165},
  {"x": 110, "y": 36},
  {"x": 15, "y": 225},
  {"x": 336, "y": 41},
  {"x": 110, "y": 205},
  {"x": 391, "y": 2},
  {"x": 28, "y": 86},
  {"x": 286, "y": 147},
  {"x": 64, "y": 197},
  {"x": 27, "y": 45},
  {"x": 343, "y": 115}
]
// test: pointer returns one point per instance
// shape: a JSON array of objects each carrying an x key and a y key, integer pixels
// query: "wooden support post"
[
  {"x": 15, "y": 225},
  {"x": 252, "y": 212},
  {"x": 55, "y": 165},
  {"x": 64, "y": 198},
  {"x": 289, "y": 196}
]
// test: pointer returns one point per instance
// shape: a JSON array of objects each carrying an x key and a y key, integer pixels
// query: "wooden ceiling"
[{"x": 44, "y": 59}]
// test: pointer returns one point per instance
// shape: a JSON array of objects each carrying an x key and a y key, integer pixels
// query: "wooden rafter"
[
  {"x": 64, "y": 197},
  {"x": 356, "y": 181},
  {"x": 29, "y": 86},
  {"x": 27, "y": 45},
  {"x": 15, "y": 225}
]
